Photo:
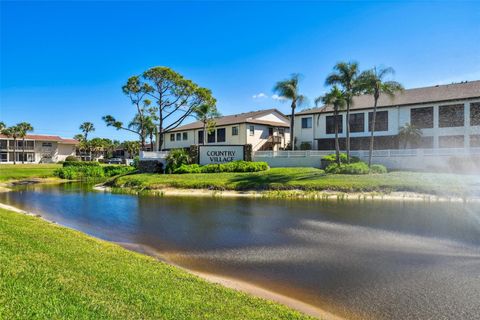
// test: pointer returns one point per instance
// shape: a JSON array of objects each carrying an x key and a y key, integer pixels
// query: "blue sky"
[{"x": 63, "y": 63}]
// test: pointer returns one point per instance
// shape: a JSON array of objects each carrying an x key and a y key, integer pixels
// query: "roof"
[
  {"x": 38, "y": 137},
  {"x": 246, "y": 117},
  {"x": 438, "y": 93}
]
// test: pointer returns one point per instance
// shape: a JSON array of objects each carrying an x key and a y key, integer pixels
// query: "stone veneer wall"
[{"x": 150, "y": 166}]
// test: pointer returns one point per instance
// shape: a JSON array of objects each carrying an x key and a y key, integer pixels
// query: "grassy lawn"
[
  {"x": 26, "y": 171},
  {"x": 306, "y": 179},
  {"x": 51, "y": 272}
]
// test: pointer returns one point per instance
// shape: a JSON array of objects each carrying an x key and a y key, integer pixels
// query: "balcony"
[{"x": 275, "y": 139}]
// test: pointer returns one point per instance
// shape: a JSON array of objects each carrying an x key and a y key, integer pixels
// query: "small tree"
[
  {"x": 289, "y": 89},
  {"x": 335, "y": 98},
  {"x": 86, "y": 128},
  {"x": 372, "y": 82},
  {"x": 175, "y": 158},
  {"x": 132, "y": 147},
  {"x": 24, "y": 128},
  {"x": 13, "y": 132},
  {"x": 206, "y": 114},
  {"x": 409, "y": 134}
]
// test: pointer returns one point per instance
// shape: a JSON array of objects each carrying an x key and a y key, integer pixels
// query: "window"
[
  {"x": 357, "y": 122},
  {"x": 29, "y": 145},
  {"x": 3, "y": 157},
  {"x": 475, "y": 114},
  {"x": 451, "y": 141},
  {"x": 281, "y": 132},
  {"x": 330, "y": 124},
  {"x": 179, "y": 136},
  {"x": 475, "y": 141},
  {"x": 234, "y": 131},
  {"x": 200, "y": 136},
  {"x": 211, "y": 137},
  {"x": 185, "y": 136},
  {"x": 422, "y": 117},
  {"x": 381, "y": 121},
  {"x": 172, "y": 136},
  {"x": 252, "y": 130},
  {"x": 221, "y": 135},
  {"x": 3, "y": 144},
  {"x": 306, "y": 123},
  {"x": 451, "y": 116},
  {"x": 46, "y": 144}
]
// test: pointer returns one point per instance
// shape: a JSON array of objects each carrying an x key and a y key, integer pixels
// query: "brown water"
[{"x": 369, "y": 260}]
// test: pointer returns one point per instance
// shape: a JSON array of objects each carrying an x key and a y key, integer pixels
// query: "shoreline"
[
  {"x": 229, "y": 282},
  {"x": 294, "y": 194}
]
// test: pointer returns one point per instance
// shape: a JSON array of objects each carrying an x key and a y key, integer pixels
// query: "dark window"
[
  {"x": 234, "y": 131},
  {"x": 330, "y": 124},
  {"x": 221, "y": 135},
  {"x": 475, "y": 141},
  {"x": 306, "y": 123},
  {"x": 381, "y": 121},
  {"x": 200, "y": 136},
  {"x": 451, "y": 141},
  {"x": 252, "y": 130},
  {"x": 357, "y": 122},
  {"x": 211, "y": 137},
  {"x": 185, "y": 136},
  {"x": 3, "y": 157},
  {"x": 47, "y": 144},
  {"x": 422, "y": 117},
  {"x": 172, "y": 136},
  {"x": 425, "y": 143},
  {"x": 475, "y": 114},
  {"x": 451, "y": 116},
  {"x": 281, "y": 132},
  {"x": 179, "y": 136},
  {"x": 3, "y": 144}
]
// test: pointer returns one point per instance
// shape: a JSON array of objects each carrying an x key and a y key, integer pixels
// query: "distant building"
[
  {"x": 448, "y": 115},
  {"x": 264, "y": 130},
  {"x": 38, "y": 149}
]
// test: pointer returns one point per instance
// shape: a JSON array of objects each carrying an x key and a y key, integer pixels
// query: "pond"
[{"x": 357, "y": 259}]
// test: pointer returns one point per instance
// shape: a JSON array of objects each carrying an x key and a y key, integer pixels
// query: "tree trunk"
[
  {"x": 337, "y": 145},
  {"x": 347, "y": 141},
  {"x": 23, "y": 150},
  {"x": 292, "y": 124},
  {"x": 151, "y": 141},
  {"x": 204, "y": 132},
  {"x": 372, "y": 138},
  {"x": 14, "y": 150}
]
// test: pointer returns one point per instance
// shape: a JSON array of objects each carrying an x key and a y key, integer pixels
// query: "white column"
[
  {"x": 467, "y": 124},
  {"x": 436, "y": 119}
]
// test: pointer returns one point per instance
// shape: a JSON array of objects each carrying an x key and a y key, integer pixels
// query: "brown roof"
[
  {"x": 38, "y": 137},
  {"x": 439, "y": 93},
  {"x": 247, "y": 117}
]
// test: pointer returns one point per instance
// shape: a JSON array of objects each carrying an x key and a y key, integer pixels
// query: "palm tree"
[
  {"x": 151, "y": 129},
  {"x": 372, "y": 82},
  {"x": 345, "y": 75},
  {"x": 13, "y": 132},
  {"x": 409, "y": 133},
  {"x": 335, "y": 98},
  {"x": 206, "y": 113},
  {"x": 2, "y": 126},
  {"x": 86, "y": 128},
  {"x": 288, "y": 89},
  {"x": 24, "y": 128}
]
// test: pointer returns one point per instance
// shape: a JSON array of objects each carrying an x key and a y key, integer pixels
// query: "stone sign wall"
[{"x": 220, "y": 154}]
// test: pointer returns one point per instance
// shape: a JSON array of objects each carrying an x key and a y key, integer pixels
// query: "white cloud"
[
  {"x": 259, "y": 95},
  {"x": 277, "y": 97}
]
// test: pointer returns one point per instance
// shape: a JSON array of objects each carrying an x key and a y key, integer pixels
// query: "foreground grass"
[
  {"x": 50, "y": 272},
  {"x": 309, "y": 179},
  {"x": 26, "y": 171}
]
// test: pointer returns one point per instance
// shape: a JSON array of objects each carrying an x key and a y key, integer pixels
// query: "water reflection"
[{"x": 386, "y": 260}]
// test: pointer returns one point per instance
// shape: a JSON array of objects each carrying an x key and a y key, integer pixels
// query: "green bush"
[
  {"x": 135, "y": 162},
  {"x": 176, "y": 158},
  {"x": 80, "y": 172},
  {"x": 71, "y": 159},
  {"x": 306, "y": 145},
  {"x": 81, "y": 164},
  {"x": 331, "y": 158},
  {"x": 234, "y": 166},
  {"x": 110, "y": 171},
  {"x": 378, "y": 168},
  {"x": 352, "y": 168}
]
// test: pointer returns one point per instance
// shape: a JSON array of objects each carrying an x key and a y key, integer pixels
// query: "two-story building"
[
  {"x": 38, "y": 149},
  {"x": 448, "y": 116},
  {"x": 263, "y": 129}
]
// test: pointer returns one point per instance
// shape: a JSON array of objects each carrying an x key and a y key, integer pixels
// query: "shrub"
[
  {"x": 80, "y": 172},
  {"x": 331, "y": 158},
  {"x": 110, "y": 171},
  {"x": 81, "y": 164},
  {"x": 176, "y": 158},
  {"x": 305, "y": 145},
  {"x": 378, "y": 168},
  {"x": 234, "y": 166},
  {"x": 135, "y": 162},
  {"x": 352, "y": 168},
  {"x": 71, "y": 159}
]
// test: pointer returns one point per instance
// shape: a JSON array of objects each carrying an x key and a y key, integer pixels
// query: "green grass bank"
[
  {"x": 27, "y": 171},
  {"x": 308, "y": 179},
  {"x": 51, "y": 272}
]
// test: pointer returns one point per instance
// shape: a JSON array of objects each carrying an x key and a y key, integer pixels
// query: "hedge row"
[
  {"x": 81, "y": 164},
  {"x": 355, "y": 168},
  {"x": 235, "y": 166},
  {"x": 91, "y": 172}
]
